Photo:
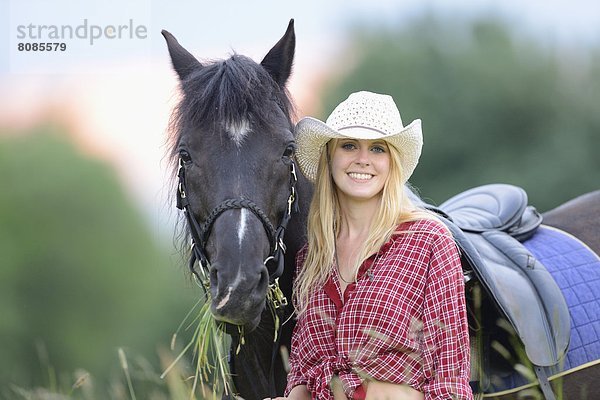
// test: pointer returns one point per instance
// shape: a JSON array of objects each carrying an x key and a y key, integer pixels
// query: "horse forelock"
[{"x": 232, "y": 96}]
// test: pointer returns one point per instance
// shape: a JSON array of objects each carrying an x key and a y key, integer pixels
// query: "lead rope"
[{"x": 276, "y": 345}]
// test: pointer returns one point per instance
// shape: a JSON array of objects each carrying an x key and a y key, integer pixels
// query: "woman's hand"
[
  {"x": 299, "y": 392},
  {"x": 377, "y": 390},
  {"x": 337, "y": 389}
]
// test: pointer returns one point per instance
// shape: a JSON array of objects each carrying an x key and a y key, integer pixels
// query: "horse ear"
[
  {"x": 278, "y": 62},
  {"x": 183, "y": 61}
]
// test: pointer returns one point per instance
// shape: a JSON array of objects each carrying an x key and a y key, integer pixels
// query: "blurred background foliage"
[
  {"x": 82, "y": 275},
  {"x": 496, "y": 106}
]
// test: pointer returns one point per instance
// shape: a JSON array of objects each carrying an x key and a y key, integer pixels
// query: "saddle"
[{"x": 489, "y": 223}]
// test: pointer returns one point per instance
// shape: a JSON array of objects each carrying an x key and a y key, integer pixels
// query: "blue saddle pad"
[{"x": 576, "y": 269}]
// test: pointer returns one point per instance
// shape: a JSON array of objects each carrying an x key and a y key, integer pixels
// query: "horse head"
[{"x": 232, "y": 143}]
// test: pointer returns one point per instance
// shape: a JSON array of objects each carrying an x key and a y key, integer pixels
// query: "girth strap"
[{"x": 545, "y": 386}]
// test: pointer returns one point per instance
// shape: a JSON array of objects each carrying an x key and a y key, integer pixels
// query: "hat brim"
[{"x": 312, "y": 135}]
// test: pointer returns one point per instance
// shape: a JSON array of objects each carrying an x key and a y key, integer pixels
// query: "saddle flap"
[
  {"x": 526, "y": 293},
  {"x": 494, "y": 206}
]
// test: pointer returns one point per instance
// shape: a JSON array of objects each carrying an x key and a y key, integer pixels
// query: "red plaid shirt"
[{"x": 404, "y": 321}]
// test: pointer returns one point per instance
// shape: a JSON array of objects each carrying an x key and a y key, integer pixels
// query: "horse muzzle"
[{"x": 238, "y": 300}]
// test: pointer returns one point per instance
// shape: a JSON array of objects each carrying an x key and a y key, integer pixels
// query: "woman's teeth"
[{"x": 362, "y": 177}]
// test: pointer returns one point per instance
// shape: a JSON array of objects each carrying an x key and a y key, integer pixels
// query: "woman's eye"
[
  {"x": 348, "y": 146},
  {"x": 378, "y": 149}
]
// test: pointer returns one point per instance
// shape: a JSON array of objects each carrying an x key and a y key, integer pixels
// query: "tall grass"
[
  {"x": 209, "y": 345},
  {"x": 137, "y": 379}
]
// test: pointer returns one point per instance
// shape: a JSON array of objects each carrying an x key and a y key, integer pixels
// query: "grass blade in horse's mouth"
[{"x": 209, "y": 347}]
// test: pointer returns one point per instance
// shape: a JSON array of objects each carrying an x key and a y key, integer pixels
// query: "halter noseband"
[{"x": 200, "y": 233}]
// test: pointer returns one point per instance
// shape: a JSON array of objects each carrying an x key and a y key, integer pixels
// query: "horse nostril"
[
  {"x": 263, "y": 279},
  {"x": 213, "y": 276}
]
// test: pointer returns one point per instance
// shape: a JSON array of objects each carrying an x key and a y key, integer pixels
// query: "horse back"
[{"x": 580, "y": 217}]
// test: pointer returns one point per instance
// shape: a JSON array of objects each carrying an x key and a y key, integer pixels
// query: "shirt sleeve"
[
  {"x": 295, "y": 376},
  {"x": 446, "y": 358}
]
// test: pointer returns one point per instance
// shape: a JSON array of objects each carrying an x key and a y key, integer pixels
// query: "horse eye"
[
  {"x": 289, "y": 151},
  {"x": 185, "y": 156}
]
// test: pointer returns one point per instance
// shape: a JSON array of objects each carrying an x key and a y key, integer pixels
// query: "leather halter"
[{"x": 200, "y": 232}]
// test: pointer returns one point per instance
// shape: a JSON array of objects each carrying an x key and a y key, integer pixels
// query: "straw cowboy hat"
[{"x": 363, "y": 115}]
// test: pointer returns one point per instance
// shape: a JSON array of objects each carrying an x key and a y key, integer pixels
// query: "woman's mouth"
[{"x": 360, "y": 177}]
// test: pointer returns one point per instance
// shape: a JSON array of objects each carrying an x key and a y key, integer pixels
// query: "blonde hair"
[{"x": 324, "y": 222}]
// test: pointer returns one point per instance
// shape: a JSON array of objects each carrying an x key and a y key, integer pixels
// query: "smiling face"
[{"x": 360, "y": 169}]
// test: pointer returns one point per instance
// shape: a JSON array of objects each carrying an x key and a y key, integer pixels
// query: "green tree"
[
  {"x": 496, "y": 107},
  {"x": 80, "y": 272}
]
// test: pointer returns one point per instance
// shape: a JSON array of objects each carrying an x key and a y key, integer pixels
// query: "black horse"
[
  {"x": 232, "y": 137},
  {"x": 232, "y": 145}
]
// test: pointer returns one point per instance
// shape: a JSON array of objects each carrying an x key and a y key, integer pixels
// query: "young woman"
[{"x": 379, "y": 291}]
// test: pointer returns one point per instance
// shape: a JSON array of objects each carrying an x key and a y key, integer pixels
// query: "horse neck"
[{"x": 251, "y": 361}]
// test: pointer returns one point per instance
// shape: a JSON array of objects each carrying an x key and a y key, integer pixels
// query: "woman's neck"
[
  {"x": 355, "y": 225},
  {"x": 356, "y": 219}
]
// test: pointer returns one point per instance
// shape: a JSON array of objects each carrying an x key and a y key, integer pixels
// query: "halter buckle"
[
  {"x": 293, "y": 171},
  {"x": 281, "y": 244},
  {"x": 276, "y": 295},
  {"x": 291, "y": 200}
]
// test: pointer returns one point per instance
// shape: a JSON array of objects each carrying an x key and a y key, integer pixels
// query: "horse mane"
[{"x": 225, "y": 91}]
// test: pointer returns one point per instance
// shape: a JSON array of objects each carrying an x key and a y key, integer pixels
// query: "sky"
[
  {"x": 216, "y": 27},
  {"x": 116, "y": 91}
]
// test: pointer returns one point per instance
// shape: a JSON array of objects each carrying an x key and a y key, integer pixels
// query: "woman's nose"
[{"x": 363, "y": 156}]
